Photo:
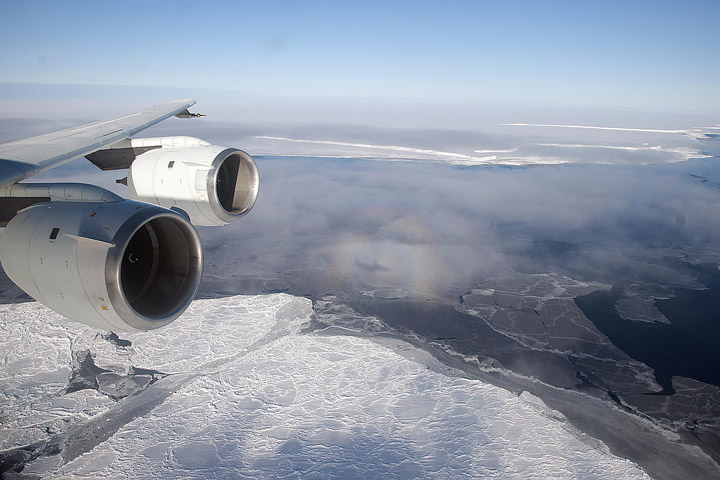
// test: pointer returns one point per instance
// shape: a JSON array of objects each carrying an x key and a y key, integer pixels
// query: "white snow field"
[
  {"x": 627, "y": 146},
  {"x": 248, "y": 395}
]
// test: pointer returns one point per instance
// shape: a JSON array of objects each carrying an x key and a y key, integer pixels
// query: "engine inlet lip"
[
  {"x": 215, "y": 205},
  {"x": 113, "y": 279}
]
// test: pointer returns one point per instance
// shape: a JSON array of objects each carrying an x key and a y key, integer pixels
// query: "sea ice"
[{"x": 247, "y": 395}]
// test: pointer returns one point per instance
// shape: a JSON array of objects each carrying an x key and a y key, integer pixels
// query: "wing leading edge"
[{"x": 24, "y": 158}]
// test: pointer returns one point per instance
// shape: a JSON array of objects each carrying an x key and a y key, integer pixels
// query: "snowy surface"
[
  {"x": 629, "y": 147},
  {"x": 238, "y": 391}
]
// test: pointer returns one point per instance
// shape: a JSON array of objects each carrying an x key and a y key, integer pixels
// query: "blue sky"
[{"x": 637, "y": 55}]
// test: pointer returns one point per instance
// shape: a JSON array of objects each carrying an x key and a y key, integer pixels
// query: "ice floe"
[{"x": 245, "y": 394}]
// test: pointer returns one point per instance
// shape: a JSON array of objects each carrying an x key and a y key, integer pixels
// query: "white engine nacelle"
[
  {"x": 121, "y": 265},
  {"x": 214, "y": 185}
]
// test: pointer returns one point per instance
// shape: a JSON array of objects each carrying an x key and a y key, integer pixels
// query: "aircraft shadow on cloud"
[{"x": 106, "y": 261}]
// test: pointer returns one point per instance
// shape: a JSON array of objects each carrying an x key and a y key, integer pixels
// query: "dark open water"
[{"x": 689, "y": 346}]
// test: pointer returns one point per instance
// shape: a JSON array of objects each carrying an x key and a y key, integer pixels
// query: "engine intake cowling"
[
  {"x": 214, "y": 185},
  {"x": 117, "y": 266}
]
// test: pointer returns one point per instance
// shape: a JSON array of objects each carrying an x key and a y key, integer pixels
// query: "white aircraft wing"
[
  {"x": 24, "y": 158},
  {"x": 109, "y": 262}
]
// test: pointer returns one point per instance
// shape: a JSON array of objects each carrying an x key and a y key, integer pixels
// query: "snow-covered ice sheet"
[
  {"x": 248, "y": 395},
  {"x": 625, "y": 146}
]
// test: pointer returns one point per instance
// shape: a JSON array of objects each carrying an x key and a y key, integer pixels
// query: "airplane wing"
[
  {"x": 103, "y": 260},
  {"x": 24, "y": 158}
]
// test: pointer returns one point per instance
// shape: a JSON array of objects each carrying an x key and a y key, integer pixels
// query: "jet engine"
[
  {"x": 214, "y": 185},
  {"x": 121, "y": 265}
]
